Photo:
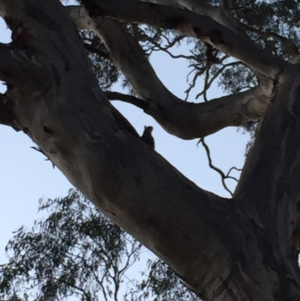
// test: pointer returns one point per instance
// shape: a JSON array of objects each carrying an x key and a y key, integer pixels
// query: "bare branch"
[
  {"x": 197, "y": 74},
  {"x": 230, "y": 170},
  {"x": 218, "y": 170},
  {"x": 209, "y": 82},
  {"x": 178, "y": 56},
  {"x": 173, "y": 42}
]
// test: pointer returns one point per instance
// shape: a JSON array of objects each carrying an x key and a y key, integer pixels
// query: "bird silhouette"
[{"x": 147, "y": 136}]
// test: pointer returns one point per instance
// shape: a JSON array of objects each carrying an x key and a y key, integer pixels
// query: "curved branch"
[
  {"x": 191, "y": 24},
  {"x": 173, "y": 42},
  {"x": 173, "y": 56},
  {"x": 185, "y": 120},
  {"x": 102, "y": 156},
  {"x": 127, "y": 98},
  {"x": 95, "y": 147},
  {"x": 215, "y": 168}
]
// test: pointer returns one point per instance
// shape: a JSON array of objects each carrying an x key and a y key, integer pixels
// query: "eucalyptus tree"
[
  {"x": 242, "y": 248},
  {"x": 76, "y": 253}
]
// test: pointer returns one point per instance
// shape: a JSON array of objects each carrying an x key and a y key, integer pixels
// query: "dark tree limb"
[
  {"x": 217, "y": 169},
  {"x": 127, "y": 98},
  {"x": 242, "y": 249},
  {"x": 185, "y": 120}
]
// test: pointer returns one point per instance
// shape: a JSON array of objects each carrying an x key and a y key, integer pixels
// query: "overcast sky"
[{"x": 26, "y": 176}]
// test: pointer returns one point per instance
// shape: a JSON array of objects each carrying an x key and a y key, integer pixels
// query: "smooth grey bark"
[
  {"x": 183, "y": 119},
  {"x": 191, "y": 24},
  {"x": 240, "y": 249}
]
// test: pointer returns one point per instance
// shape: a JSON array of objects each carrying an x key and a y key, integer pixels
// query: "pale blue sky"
[{"x": 26, "y": 176}]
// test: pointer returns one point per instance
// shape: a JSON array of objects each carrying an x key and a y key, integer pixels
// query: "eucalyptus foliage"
[{"x": 78, "y": 253}]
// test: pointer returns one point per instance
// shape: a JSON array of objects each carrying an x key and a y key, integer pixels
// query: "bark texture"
[{"x": 244, "y": 248}]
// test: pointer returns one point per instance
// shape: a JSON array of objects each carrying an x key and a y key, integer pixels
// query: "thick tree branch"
[
  {"x": 223, "y": 249},
  {"x": 269, "y": 178},
  {"x": 100, "y": 153},
  {"x": 201, "y": 8},
  {"x": 185, "y": 120},
  {"x": 127, "y": 98},
  {"x": 220, "y": 14},
  {"x": 256, "y": 217},
  {"x": 190, "y": 24}
]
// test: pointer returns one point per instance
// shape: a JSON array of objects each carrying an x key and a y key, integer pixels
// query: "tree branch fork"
[{"x": 75, "y": 125}]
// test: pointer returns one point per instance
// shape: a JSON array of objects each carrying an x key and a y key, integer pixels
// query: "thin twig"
[{"x": 223, "y": 176}]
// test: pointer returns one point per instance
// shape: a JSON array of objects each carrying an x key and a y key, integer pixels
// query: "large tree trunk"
[{"x": 240, "y": 249}]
